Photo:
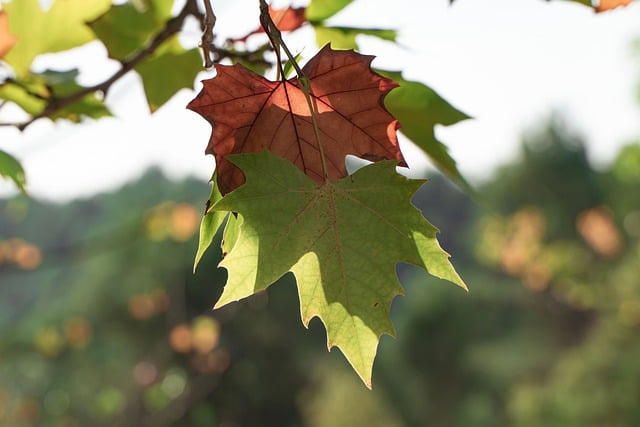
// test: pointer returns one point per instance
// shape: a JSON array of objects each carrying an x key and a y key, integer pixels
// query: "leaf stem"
[
  {"x": 305, "y": 84},
  {"x": 275, "y": 36}
]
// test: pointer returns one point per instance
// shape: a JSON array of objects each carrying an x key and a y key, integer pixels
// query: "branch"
[
  {"x": 211, "y": 53},
  {"x": 173, "y": 26}
]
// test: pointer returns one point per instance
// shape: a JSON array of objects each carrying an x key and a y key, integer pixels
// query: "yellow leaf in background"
[{"x": 61, "y": 27}]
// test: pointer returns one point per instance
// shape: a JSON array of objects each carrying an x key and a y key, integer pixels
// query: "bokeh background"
[{"x": 103, "y": 323}]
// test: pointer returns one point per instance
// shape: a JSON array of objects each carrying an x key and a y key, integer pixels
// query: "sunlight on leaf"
[
  {"x": 60, "y": 28},
  {"x": 250, "y": 113},
  {"x": 341, "y": 239},
  {"x": 211, "y": 222}
]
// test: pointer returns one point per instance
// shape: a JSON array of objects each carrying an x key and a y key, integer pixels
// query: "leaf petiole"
[
  {"x": 305, "y": 85},
  {"x": 275, "y": 36}
]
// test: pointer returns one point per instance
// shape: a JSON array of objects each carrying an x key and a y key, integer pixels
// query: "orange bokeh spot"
[
  {"x": 78, "y": 332},
  {"x": 178, "y": 221},
  {"x": 141, "y": 307},
  {"x": 598, "y": 229},
  {"x": 522, "y": 244},
  {"x": 27, "y": 256},
  {"x": 216, "y": 361},
  {"x": 206, "y": 332},
  {"x": 180, "y": 338},
  {"x": 536, "y": 277},
  {"x": 185, "y": 220},
  {"x": 23, "y": 254},
  {"x": 28, "y": 411}
]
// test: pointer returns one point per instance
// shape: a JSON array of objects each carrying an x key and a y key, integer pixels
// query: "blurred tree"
[
  {"x": 554, "y": 175},
  {"x": 103, "y": 323}
]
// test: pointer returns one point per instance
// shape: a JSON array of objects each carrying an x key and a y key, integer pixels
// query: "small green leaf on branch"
[
  {"x": 167, "y": 68},
  {"x": 11, "y": 168},
  {"x": 419, "y": 109}
]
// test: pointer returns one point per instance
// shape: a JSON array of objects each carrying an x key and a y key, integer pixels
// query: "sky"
[{"x": 507, "y": 63}]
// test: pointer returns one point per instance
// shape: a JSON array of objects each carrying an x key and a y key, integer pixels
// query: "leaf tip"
[
  {"x": 463, "y": 286},
  {"x": 223, "y": 301},
  {"x": 196, "y": 261}
]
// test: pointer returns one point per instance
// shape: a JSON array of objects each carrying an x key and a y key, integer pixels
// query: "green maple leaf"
[
  {"x": 59, "y": 28},
  {"x": 341, "y": 239}
]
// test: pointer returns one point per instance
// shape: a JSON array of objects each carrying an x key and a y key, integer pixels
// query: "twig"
[
  {"x": 254, "y": 56},
  {"x": 206, "y": 44}
]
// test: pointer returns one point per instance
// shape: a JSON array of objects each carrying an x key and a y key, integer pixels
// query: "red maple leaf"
[
  {"x": 288, "y": 19},
  {"x": 249, "y": 113}
]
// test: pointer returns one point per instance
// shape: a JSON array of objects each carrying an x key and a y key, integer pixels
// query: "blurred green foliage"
[{"x": 103, "y": 323}]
